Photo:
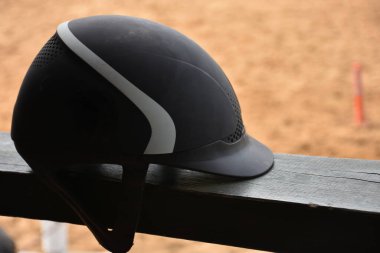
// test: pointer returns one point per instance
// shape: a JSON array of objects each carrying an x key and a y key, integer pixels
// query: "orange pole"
[{"x": 358, "y": 95}]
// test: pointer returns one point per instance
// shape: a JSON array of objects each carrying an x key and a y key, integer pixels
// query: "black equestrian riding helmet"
[{"x": 118, "y": 89}]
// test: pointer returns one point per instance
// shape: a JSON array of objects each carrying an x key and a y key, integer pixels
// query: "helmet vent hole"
[
  {"x": 50, "y": 51},
  {"x": 239, "y": 130}
]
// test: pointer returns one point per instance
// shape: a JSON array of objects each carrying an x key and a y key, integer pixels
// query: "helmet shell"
[
  {"x": 68, "y": 107},
  {"x": 116, "y": 89}
]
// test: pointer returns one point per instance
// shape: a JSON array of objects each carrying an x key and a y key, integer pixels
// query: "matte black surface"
[
  {"x": 68, "y": 115},
  {"x": 171, "y": 69},
  {"x": 304, "y": 204},
  {"x": 244, "y": 159},
  {"x": 66, "y": 110}
]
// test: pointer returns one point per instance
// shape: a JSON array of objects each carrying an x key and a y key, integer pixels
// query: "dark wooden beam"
[{"x": 304, "y": 204}]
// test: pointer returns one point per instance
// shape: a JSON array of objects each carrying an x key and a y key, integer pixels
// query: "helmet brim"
[{"x": 246, "y": 158}]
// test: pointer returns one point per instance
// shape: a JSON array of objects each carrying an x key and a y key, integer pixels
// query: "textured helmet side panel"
[
  {"x": 200, "y": 110},
  {"x": 66, "y": 109},
  {"x": 172, "y": 70}
]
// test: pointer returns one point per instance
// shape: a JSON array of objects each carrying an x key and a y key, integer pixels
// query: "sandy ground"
[{"x": 289, "y": 61}]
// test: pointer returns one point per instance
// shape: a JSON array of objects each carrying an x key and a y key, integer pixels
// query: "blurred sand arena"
[{"x": 289, "y": 62}]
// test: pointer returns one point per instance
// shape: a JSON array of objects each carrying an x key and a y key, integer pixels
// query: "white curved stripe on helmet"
[{"x": 163, "y": 135}]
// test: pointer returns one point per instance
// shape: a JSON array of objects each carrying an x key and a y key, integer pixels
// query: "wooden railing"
[{"x": 304, "y": 204}]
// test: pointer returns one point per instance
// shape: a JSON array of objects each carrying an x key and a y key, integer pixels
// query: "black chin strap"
[
  {"x": 118, "y": 239},
  {"x": 133, "y": 183}
]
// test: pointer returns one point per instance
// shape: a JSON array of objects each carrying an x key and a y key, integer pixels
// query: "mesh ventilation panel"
[
  {"x": 239, "y": 130},
  {"x": 50, "y": 51}
]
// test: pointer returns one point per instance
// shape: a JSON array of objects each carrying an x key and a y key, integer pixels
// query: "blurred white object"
[{"x": 54, "y": 237}]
